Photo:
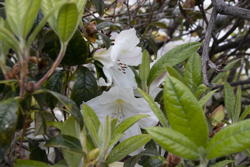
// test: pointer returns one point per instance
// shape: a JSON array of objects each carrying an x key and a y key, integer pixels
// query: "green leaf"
[
  {"x": 99, "y": 4},
  {"x": 15, "y": 12},
  {"x": 69, "y": 104},
  {"x": 8, "y": 37},
  {"x": 8, "y": 120},
  {"x": 175, "y": 73},
  {"x": 65, "y": 142},
  {"x": 47, "y": 6},
  {"x": 30, "y": 16},
  {"x": 229, "y": 100},
  {"x": 30, "y": 163},
  {"x": 184, "y": 113},
  {"x": 70, "y": 127},
  {"x": 127, "y": 146},
  {"x": 47, "y": 16},
  {"x": 192, "y": 72},
  {"x": 91, "y": 122},
  {"x": 232, "y": 139},
  {"x": 222, "y": 163},
  {"x": 175, "y": 142},
  {"x": 228, "y": 67},
  {"x": 77, "y": 49},
  {"x": 245, "y": 113},
  {"x": 104, "y": 138},
  {"x": 144, "y": 70},
  {"x": 55, "y": 83},
  {"x": 201, "y": 89},
  {"x": 67, "y": 21},
  {"x": 155, "y": 108},
  {"x": 237, "y": 109},
  {"x": 85, "y": 87},
  {"x": 127, "y": 123},
  {"x": 171, "y": 58},
  {"x": 205, "y": 98}
]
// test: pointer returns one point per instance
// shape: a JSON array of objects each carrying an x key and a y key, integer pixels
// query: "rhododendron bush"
[{"x": 112, "y": 83}]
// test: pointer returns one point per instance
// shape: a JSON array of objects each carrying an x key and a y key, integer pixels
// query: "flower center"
[
  {"x": 122, "y": 67},
  {"x": 119, "y": 110}
]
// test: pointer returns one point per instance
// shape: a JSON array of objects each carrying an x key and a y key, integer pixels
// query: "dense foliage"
[{"x": 124, "y": 83}]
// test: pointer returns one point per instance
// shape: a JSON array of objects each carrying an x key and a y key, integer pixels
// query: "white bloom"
[
  {"x": 125, "y": 48},
  {"x": 120, "y": 103},
  {"x": 118, "y": 57}
]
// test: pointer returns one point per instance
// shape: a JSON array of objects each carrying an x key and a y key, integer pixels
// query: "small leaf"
[
  {"x": 205, "y": 98},
  {"x": 229, "y": 100},
  {"x": 127, "y": 146},
  {"x": 175, "y": 73},
  {"x": 217, "y": 116},
  {"x": 15, "y": 12},
  {"x": 8, "y": 120},
  {"x": 155, "y": 108},
  {"x": 245, "y": 113},
  {"x": 104, "y": 138},
  {"x": 192, "y": 72},
  {"x": 55, "y": 83},
  {"x": 47, "y": 6},
  {"x": 69, "y": 104},
  {"x": 30, "y": 163},
  {"x": 77, "y": 49},
  {"x": 70, "y": 127},
  {"x": 65, "y": 142},
  {"x": 171, "y": 58},
  {"x": 201, "y": 89},
  {"x": 184, "y": 113},
  {"x": 99, "y": 4},
  {"x": 8, "y": 37},
  {"x": 127, "y": 123},
  {"x": 67, "y": 21},
  {"x": 31, "y": 13},
  {"x": 222, "y": 163},
  {"x": 144, "y": 70},
  {"x": 48, "y": 14},
  {"x": 232, "y": 139},
  {"x": 85, "y": 87},
  {"x": 228, "y": 67},
  {"x": 91, "y": 122},
  {"x": 174, "y": 142},
  {"x": 237, "y": 105}
]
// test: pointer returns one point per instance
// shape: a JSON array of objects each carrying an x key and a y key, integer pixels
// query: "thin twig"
[
  {"x": 235, "y": 11},
  {"x": 53, "y": 67},
  {"x": 236, "y": 83},
  {"x": 205, "y": 51}
]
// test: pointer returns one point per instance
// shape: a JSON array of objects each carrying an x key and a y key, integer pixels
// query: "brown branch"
[
  {"x": 235, "y": 11},
  {"x": 53, "y": 67},
  {"x": 236, "y": 83},
  {"x": 244, "y": 41},
  {"x": 205, "y": 49}
]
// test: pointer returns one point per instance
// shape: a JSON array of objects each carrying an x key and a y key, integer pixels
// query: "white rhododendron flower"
[
  {"x": 125, "y": 49},
  {"x": 118, "y": 57},
  {"x": 121, "y": 103}
]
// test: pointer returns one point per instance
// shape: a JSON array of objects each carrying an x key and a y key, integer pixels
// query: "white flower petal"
[
  {"x": 125, "y": 48},
  {"x": 103, "y": 55},
  {"x": 132, "y": 57},
  {"x": 127, "y": 37},
  {"x": 120, "y": 77}
]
